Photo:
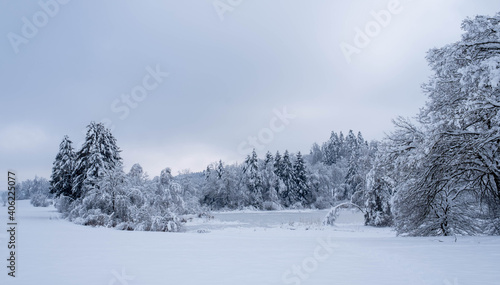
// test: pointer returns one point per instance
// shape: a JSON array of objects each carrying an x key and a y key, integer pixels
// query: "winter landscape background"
[{"x": 309, "y": 147}]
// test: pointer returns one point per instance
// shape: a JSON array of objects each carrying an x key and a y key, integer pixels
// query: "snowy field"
[{"x": 285, "y": 247}]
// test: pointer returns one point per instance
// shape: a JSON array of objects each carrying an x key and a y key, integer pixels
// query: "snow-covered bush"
[
  {"x": 165, "y": 224},
  {"x": 146, "y": 220},
  {"x": 114, "y": 202},
  {"x": 94, "y": 218},
  {"x": 39, "y": 200},
  {"x": 63, "y": 204},
  {"x": 322, "y": 203},
  {"x": 271, "y": 206}
]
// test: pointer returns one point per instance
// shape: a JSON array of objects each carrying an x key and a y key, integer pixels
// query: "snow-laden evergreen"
[
  {"x": 301, "y": 191},
  {"x": 252, "y": 180},
  {"x": 270, "y": 184},
  {"x": 61, "y": 180},
  {"x": 98, "y": 156},
  {"x": 285, "y": 169},
  {"x": 378, "y": 194}
]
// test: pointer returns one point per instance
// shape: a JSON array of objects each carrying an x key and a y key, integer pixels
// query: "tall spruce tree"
[
  {"x": 301, "y": 191},
  {"x": 277, "y": 164},
  {"x": 253, "y": 179},
  {"x": 98, "y": 156},
  {"x": 269, "y": 179},
  {"x": 315, "y": 155},
  {"x": 331, "y": 150},
  {"x": 286, "y": 175},
  {"x": 378, "y": 193},
  {"x": 61, "y": 179}
]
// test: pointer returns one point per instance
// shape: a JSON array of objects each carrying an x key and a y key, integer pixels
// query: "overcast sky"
[{"x": 204, "y": 80}]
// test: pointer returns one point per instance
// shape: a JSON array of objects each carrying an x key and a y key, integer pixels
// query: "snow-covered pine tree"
[
  {"x": 61, "y": 180},
  {"x": 233, "y": 189},
  {"x": 279, "y": 186},
  {"x": 277, "y": 164},
  {"x": 301, "y": 191},
  {"x": 354, "y": 179},
  {"x": 253, "y": 180},
  {"x": 342, "y": 145},
  {"x": 269, "y": 182},
  {"x": 360, "y": 140},
  {"x": 98, "y": 155},
  {"x": 378, "y": 194},
  {"x": 351, "y": 145},
  {"x": 286, "y": 176},
  {"x": 315, "y": 155},
  {"x": 211, "y": 188},
  {"x": 331, "y": 149},
  {"x": 220, "y": 169}
]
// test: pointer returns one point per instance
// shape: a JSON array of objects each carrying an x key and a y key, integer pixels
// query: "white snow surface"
[{"x": 242, "y": 248}]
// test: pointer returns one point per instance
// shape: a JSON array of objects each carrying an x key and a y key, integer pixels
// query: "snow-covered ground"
[{"x": 286, "y": 247}]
